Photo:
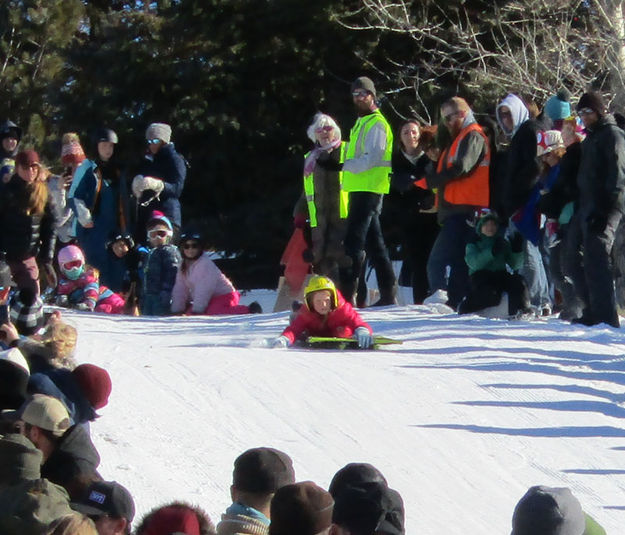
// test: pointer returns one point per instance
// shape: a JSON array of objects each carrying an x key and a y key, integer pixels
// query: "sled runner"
[{"x": 329, "y": 342}]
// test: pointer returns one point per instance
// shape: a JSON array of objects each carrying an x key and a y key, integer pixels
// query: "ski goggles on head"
[
  {"x": 159, "y": 233},
  {"x": 72, "y": 264},
  {"x": 153, "y": 141}
]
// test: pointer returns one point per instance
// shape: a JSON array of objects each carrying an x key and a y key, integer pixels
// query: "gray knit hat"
[
  {"x": 363, "y": 82},
  {"x": 160, "y": 131}
]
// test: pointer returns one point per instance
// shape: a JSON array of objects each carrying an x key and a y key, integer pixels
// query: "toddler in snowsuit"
[
  {"x": 123, "y": 250},
  {"x": 161, "y": 267},
  {"x": 325, "y": 313},
  {"x": 487, "y": 258},
  {"x": 79, "y": 285}
]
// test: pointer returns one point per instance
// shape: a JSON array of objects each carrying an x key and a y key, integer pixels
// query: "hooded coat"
[
  {"x": 479, "y": 254},
  {"x": 521, "y": 166}
]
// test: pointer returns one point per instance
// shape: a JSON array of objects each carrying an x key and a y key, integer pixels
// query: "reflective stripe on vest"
[
  {"x": 376, "y": 179},
  {"x": 473, "y": 188},
  {"x": 309, "y": 190}
]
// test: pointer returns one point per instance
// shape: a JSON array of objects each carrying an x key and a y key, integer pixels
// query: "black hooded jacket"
[{"x": 601, "y": 177}]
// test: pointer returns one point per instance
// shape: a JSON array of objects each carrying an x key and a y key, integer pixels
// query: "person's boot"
[{"x": 388, "y": 296}]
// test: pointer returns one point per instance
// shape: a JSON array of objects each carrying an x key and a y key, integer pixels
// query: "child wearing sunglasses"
[
  {"x": 161, "y": 267},
  {"x": 201, "y": 287}
]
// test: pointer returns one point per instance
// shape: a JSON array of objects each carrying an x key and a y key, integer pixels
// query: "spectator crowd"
[{"x": 528, "y": 225}]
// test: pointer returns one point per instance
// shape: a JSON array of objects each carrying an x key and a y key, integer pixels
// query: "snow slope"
[{"x": 462, "y": 418}]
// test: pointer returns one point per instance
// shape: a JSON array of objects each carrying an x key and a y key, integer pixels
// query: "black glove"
[
  {"x": 597, "y": 222},
  {"x": 516, "y": 242},
  {"x": 329, "y": 164},
  {"x": 499, "y": 246}
]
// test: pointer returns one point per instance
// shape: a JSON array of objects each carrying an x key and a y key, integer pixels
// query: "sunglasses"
[
  {"x": 153, "y": 141},
  {"x": 359, "y": 94},
  {"x": 447, "y": 118},
  {"x": 585, "y": 111},
  {"x": 72, "y": 264},
  {"x": 191, "y": 245},
  {"x": 324, "y": 129},
  {"x": 159, "y": 233}
]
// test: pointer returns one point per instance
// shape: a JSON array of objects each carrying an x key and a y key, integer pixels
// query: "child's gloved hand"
[
  {"x": 281, "y": 341},
  {"x": 499, "y": 246},
  {"x": 364, "y": 338},
  {"x": 62, "y": 300},
  {"x": 83, "y": 306}
]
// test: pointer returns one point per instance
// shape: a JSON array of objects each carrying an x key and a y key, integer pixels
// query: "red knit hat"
[
  {"x": 95, "y": 383},
  {"x": 173, "y": 519},
  {"x": 72, "y": 151}
]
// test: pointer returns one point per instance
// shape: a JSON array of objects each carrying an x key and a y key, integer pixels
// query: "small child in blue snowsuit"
[{"x": 161, "y": 267}]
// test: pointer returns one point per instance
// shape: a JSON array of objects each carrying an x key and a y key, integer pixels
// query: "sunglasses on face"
[
  {"x": 447, "y": 118},
  {"x": 359, "y": 94},
  {"x": 191, "y": 245},
  {"x": 159, "y": 233},
  {"x": 322, "y": 129},
  {"x": 153, "y": 141},
  {"x": 585, "y": 111},
  {"x": 72, "y": 264}
]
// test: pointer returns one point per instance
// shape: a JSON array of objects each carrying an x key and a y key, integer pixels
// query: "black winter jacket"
[
  {"x": 601, "y": 177},
  {"x": 24, "y": 236},
  {"x": 73, "y": 461},
  {"x": 171, "y": 168}
]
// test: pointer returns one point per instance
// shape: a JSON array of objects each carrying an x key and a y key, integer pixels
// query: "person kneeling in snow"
[
  {"x": 79, "y": 286},
  {"x": 325, "y": 313},
  {"x": 200, "y": 287},
  {"x": 487, "y": 259}
]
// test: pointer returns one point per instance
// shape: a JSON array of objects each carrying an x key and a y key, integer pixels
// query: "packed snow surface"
[{"x": 462, "y": 417}]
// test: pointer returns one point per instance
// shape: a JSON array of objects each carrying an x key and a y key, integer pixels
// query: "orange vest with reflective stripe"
[{"x": 471, "y": 189}]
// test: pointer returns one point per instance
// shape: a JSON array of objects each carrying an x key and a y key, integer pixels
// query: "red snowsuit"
[{"x": 341, "y": 322}]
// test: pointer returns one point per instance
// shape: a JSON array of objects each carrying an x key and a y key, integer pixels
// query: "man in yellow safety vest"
[{"x": 366, "y": 176}]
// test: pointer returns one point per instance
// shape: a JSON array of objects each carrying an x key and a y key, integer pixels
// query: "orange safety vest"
[{"x": 471, "y": 189}]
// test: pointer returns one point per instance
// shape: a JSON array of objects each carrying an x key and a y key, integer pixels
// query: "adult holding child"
[{"x": 29, "y": 222}]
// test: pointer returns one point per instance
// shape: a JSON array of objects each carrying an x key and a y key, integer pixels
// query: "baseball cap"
[
  {"x": 262, "y": 470},
  {"x": 106, "y": 498},
  {"x": 369, "y": 508},
  {"x": 43, "y": 411}
]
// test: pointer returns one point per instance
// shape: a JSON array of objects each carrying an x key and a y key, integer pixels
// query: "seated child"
[
  {"x": 487, "y": 259},
  {"x": 79, "y": 285},
  {"x": 325, "y": 313},
  {"x": 132, "y": 256},
  {"x": 160, "y": 268},
  {"x": 201, "y": 288}
]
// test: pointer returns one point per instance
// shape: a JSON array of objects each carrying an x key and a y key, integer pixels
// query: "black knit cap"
[
  {"x": 354, "y": 474},
  {"x": 262, "y": 470},
  {"x": 362, "y": 82},
  {"x": 369, "y": 508},
  {"x": 594, "y": 101},
  {"x": 302, "y": 508}
]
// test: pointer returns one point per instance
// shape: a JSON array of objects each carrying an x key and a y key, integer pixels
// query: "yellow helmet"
[{"x": 318, "y": 282}]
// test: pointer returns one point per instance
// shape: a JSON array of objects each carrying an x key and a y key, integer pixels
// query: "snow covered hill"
[{"x": 462, "y": 418}]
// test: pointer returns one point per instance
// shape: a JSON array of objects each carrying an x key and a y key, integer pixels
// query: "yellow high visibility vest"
[
  {"x": 309, "y": 191},
  {"x": 377, "y": 179}
]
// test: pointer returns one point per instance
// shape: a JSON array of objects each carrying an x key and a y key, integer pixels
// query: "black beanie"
[{"x": 594, "y": 101}]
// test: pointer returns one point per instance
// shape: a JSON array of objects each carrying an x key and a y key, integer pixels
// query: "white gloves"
[
  {"x": 140, "y": 183},
  {"x": 364, "y": 338},
  {"x": 281, "y": 341}
]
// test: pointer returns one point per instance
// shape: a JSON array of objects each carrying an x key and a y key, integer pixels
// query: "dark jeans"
[
  {"x": 487, "y": 287},
  {"x": 446, "y": 267},
  {"x": 365, "y": 234},
  {"x": 588, "y": 265}
]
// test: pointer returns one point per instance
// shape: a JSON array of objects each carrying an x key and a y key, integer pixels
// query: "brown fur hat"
[{"x": 176, "y": 517}]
